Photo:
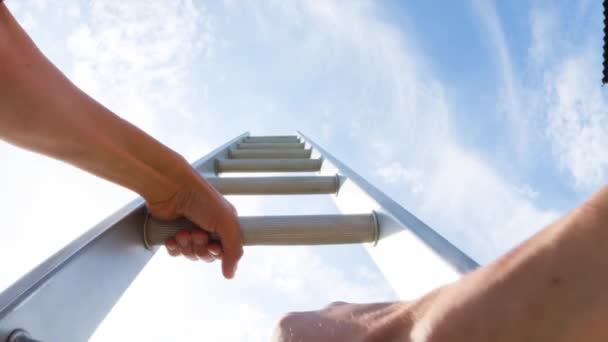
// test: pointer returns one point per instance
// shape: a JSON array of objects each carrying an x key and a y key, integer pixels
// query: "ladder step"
[
  {"x": 281, "y": 230},
  {"x": 275, "y": 185},
  {"x": 271, "y": 139},
  {"x": 268, "y": 165},
  {"x": 257, "y": 145},
  {"x": 271, "y": 153}
]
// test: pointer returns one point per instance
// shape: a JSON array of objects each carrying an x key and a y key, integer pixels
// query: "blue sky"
[{"x": 486, "y": 119}]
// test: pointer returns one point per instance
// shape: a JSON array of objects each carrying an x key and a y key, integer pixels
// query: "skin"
[
  {"x": 42, "y": 111},
  {"x": 550, "y": 288}
]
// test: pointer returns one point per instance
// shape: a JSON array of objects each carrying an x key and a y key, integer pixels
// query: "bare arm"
[
  {"x": 41, "y": 110},
  {"x": 551, "y": 288}
]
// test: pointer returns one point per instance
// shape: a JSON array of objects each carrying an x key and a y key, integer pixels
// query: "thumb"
[
  {"x": 225, "y": 224},
  {"x": 232, "y": 245}
]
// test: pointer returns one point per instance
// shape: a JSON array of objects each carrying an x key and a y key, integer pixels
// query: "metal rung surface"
[
  {"x": 270, "y": 153},
  {"x": 257, "y": 146},
  {"x": 276, "y": 185},
  {"x": 281, "y": 230},
  {"x": 277, "y": 139},
  {"x": 268, "y": 165}
]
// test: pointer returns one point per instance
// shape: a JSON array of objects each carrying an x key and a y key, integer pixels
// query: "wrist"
[{"x": 179, "y": 179}]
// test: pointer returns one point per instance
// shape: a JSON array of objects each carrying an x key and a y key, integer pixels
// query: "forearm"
[
  {"x": 551, "y": 288},
  {"x": 41, "y": 110}
]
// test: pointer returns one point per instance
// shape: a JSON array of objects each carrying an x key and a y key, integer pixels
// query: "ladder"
[{"x": 67, "y": 296}]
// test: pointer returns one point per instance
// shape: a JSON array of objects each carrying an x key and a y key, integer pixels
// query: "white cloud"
[
  {"x": 136, "y": 58},
  {"x": 395, "y": 172},
  {"x": 45, "y": 205},
  {"x": 577, "y": 120},
  {"x": 510, "y": 97},
  {"x": 562, "y": 96},
  {"x": 572, "y": 103},
  {"x": 475, "y": 208},
  {"x": 526, "y": 191},
  {"x": 543, "y": 23}
]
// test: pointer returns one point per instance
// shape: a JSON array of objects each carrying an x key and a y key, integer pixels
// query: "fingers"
[
  {"x": 207, "y": 209},
  {"x": 172, "y": 247},
  {"x": 194, "y": 245},
  {"x": 224, "y": 222},
  {"x": 200, "y": 241},
  {"x": 184, "y": 241}
]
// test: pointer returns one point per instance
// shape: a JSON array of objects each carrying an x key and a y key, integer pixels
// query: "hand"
[
  {"x": 347, "y": 322},
  {"x": 41, "y": 110},
  {"x": 204, "y": 206}
]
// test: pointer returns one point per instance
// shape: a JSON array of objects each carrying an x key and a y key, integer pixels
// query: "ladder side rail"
[
  {"x": 413, "y": 257},
  {"x": 69, "y": 294}
]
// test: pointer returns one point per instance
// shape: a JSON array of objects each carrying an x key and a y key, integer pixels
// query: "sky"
[{"x": 486, "y": 119}]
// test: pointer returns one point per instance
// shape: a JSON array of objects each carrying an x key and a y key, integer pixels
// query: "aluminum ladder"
[{"x": 67, "y": 296}]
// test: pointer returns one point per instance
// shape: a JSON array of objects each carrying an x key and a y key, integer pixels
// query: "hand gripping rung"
[{"x": 281, "y": 230}]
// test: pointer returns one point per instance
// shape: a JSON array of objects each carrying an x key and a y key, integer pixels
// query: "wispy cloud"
[
  {"x": 574, "y": 105},
  {"x": 577, "y": 119},
  {"x": 136, "y": 57},
  {"x": 477, "y": 208},
  {"x": 562, "y": 99},
  {"x": 510, "y": 105}
]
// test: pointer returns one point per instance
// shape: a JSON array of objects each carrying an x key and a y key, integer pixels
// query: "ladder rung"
[
  {"x": 281, "y": 230},
  {"x": 270, "y": 139},
  {"x": 275, "y": 185},
  {"x": 270, "y": 153},
  {"x": 256, "y": 146},
  {"x": 268, "y": 165}
]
